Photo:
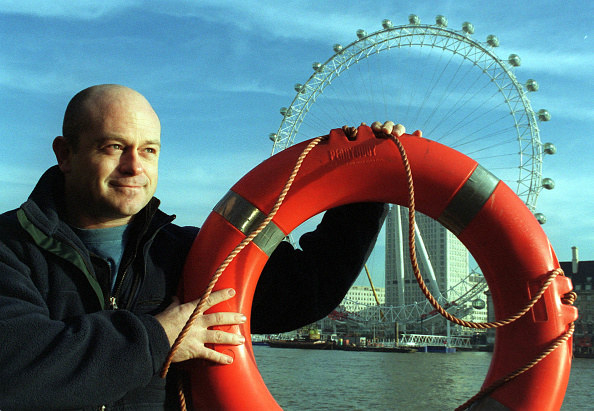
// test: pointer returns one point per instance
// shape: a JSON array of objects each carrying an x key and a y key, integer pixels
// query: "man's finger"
[
  {"x": 376, "y": 126},
  {"x": 212, "y": 319},
  {"x": 388, "y": 127},
  {"x": 214, "y": 356},
  {"x": 218, "y": 297},
  {"x": 222, "y": 337},
  {"x": 398, "y": 130}
]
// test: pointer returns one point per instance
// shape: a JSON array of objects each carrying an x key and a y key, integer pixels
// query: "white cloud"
[
  {"x": 19, "y": 174},
  {"x": 79, "y": 9},
  {"x": 568, "y": 106},
  {"x": 283, "y": 20},
  {"x": 17, "y": 183},
  {"x": 568, "y": 209},
  {"x": 557, "y": 62},
  {"x": 194, "y": 184},
  {"x": 42, "y": 81},
  {"x": 247, "y": 86}
]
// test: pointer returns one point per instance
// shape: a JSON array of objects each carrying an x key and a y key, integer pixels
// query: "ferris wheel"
[{"x": 441, "y": 81}]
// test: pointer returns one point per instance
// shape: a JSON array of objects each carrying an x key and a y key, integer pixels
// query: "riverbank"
[{"x": 334, "y": 345}]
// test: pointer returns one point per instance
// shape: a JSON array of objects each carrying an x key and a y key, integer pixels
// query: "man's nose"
[{"x": 130, "y": 162}]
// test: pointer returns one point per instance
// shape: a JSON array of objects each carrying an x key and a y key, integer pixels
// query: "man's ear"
[{"x": 63, "y": 152}]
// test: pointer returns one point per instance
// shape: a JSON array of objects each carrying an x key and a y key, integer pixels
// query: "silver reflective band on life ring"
[
  {"x": 469, "y": 200},
  {"x": 244, "y": 216}
]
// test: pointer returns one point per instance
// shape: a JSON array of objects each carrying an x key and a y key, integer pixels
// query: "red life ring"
[{"x": 493, "y": 223}]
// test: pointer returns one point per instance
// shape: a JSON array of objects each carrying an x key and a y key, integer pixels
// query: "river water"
[{"x": 346, "y": 380}]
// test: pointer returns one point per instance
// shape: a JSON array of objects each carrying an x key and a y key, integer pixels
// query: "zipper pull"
[{"x": 112, "y": 303}]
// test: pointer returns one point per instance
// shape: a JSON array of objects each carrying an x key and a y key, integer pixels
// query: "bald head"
[
  {"x": 88, "y": 107},
  {"x": 108, "y": 154}
]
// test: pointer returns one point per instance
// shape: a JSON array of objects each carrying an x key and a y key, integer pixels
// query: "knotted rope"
[{"x": 566, "y": 299}]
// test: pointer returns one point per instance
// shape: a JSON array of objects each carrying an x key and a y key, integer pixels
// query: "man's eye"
[{"x": 114, "y": 147}]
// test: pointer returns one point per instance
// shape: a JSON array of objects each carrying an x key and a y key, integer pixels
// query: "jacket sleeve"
[
  {"x": 298, "y": 287},
  {"x": 73, "y": 361}
]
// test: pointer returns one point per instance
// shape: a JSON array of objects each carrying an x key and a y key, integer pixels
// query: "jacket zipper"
[
  {"x": 113, "y": 299},
  {"x": 113, "y": 305}
]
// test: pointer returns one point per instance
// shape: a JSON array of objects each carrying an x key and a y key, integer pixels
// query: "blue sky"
[{"x": 217, "y": 73}]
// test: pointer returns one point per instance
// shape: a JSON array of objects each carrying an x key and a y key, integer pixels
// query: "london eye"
[{"x": 439, "y": 80}]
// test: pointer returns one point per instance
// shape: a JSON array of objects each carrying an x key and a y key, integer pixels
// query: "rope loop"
[
  {"x": 568, "y": 298},
  {"x": 417, "y": 272}
]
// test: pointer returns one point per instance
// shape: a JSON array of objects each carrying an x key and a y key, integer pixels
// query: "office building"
[
  {"x": 361, "y": 297},
  {"x": 448, "y": 257}
]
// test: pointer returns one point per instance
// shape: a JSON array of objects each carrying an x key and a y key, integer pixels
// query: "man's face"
[{"x": 113, "y": 173}]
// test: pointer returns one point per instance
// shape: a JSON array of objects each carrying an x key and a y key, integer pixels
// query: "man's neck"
[
  {"x": 89, "y": 224},
  {"x": 80, "y": 219},
  {"x": 83, "y": 217}
]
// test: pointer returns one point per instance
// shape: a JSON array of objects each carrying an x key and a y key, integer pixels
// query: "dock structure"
[{"x": 419, "y": 340}]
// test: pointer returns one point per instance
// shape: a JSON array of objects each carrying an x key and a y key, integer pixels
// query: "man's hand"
[
  {"x": 390, "y": 128},
  {"x": 176, "y": 315}
]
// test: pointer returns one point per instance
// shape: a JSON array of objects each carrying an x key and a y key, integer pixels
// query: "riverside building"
[
  {"x": 448, "y": 256},
  {"x": 449, "y": 265},
  {"x": 582, "y": 277},
  {"x": 361, "y": 297}
]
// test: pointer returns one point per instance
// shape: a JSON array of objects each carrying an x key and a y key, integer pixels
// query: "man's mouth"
[{"x": 127, "y": 184}]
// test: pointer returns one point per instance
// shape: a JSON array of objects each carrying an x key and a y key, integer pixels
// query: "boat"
[{"x": 303, "y": 344}]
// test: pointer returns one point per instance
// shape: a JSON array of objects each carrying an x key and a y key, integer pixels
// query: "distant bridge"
[
  {"x": 418, "y": 340},
  {"x": 462, "y": 295}
]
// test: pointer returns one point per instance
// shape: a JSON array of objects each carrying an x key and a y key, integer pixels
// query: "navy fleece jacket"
[{"x": 62, "y": 348}]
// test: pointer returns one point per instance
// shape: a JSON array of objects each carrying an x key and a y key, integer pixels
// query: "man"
[{"x": 89, "y": 267}]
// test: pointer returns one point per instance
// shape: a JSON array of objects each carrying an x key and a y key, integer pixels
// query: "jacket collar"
[
  {"x": 42, "y": 208},
  {"x": 40, "y": 217}
]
